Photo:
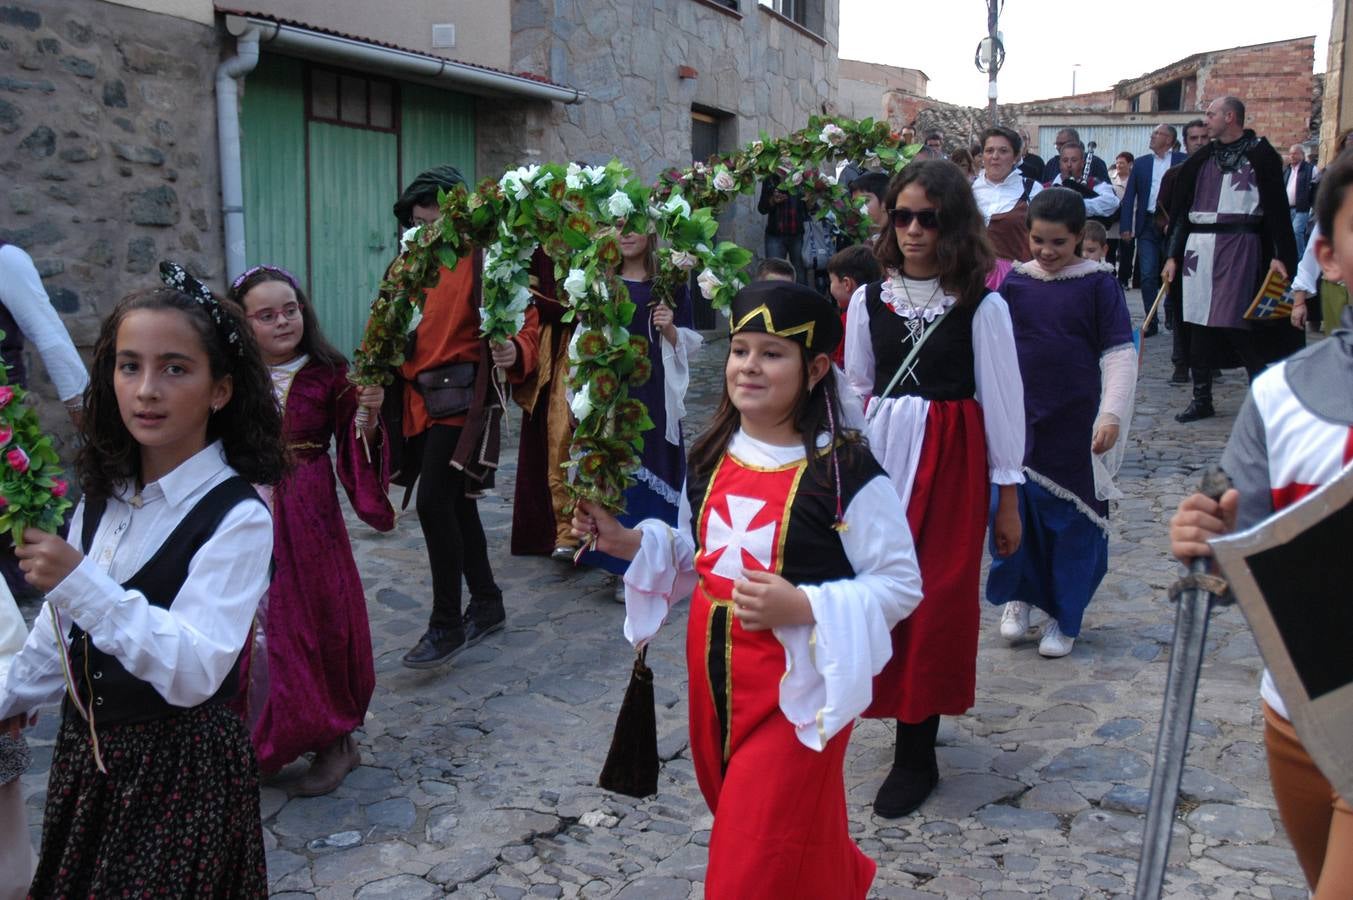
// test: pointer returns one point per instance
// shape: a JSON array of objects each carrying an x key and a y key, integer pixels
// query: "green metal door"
[
  {"x": 326, "y": 153},
  {"x": 436, "y": 129},
  {"x": 353, "y": 183},
  {"x": 272, "y": 122}
]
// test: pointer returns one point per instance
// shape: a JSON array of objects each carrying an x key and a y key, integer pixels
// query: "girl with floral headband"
[
  {"x": 312, "y": 678},
  {"x": 153, "y": 788},
  {"x": 798, "y": 553}
]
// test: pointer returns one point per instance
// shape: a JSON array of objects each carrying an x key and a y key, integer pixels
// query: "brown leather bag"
[{"x": 447, "y": 390}]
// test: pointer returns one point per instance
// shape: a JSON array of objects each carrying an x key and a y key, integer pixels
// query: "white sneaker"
[
  {"x": 1015, "y": 620},
  {"x": 1054, "y": 644}
]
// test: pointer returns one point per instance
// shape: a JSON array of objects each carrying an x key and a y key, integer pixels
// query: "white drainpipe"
[{"x": 228, "y": 139}]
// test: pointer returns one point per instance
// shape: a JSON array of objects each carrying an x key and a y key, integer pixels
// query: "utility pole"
[{"x": 993, "y": 66}]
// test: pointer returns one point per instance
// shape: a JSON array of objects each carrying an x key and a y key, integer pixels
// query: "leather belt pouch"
[{"x": 447, "y": 391}]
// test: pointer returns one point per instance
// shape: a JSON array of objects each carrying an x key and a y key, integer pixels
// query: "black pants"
[{"x": 454, "y": 535}]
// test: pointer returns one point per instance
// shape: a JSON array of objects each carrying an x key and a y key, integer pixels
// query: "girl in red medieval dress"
[
  {"x": 788, "y": 534},
  {"x": 951, "y": 423},
  {"x": 319, "y": 672}
]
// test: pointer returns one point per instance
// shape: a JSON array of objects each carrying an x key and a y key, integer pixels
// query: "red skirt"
[
  {"x": 933, "y": 669},
  {"x": 780, "y": 825}
]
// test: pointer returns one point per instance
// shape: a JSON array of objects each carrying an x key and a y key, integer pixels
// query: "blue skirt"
[{"x": 1061, "y": 559}]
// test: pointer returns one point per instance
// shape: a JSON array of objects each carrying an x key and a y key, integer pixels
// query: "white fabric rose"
[
  {"x": 619, "y": 204},
  {"x": 410, "y": 235},
  {"x": 582, "y": 403},
  {"x": 724, "y": 180},
  {"x": 575, "y": 285},
  {"x": 833, "y": 135},
  {"x": 709, "y": 283},
  {"x": 683, "y": 260},
  {"x": 595, "y": 174},
  {"x": 677, "y": 204}
]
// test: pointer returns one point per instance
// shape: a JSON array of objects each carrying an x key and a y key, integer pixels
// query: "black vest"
[
  {"x": 943, "y": 368},
  {"x": 117, "y": 697},
  {"x": 813, "y": 553},
  {"x": 11, "y": 346}
]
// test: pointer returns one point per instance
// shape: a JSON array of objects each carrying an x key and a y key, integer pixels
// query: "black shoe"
[
  {"x": 475, "y": 632},
  {"x": 436, "y": 646},
  {"x": 1197, "y": 409},
  {"x": 904, "y": 790},
  {"x": 1152, "y": 331},
  {"x": 1180, "y": 375}
]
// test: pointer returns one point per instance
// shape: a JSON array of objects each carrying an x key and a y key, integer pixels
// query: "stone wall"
[
  {"x": 753, "y": 68},
  {"x": 107, "y": 155}
]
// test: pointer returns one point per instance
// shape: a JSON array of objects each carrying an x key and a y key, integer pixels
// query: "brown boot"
[{"x": 331, "y": 765}]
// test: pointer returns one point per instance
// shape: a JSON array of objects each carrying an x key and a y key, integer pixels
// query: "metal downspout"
[{"x": 228, "y": 139}]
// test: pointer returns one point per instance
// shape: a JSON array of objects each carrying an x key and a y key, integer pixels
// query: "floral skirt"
[{"x": 176, "y": 815}]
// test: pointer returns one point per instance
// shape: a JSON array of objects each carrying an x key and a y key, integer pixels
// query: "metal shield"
[{"x": 1292, "y": 575}]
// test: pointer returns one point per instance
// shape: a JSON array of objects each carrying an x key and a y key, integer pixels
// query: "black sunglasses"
[{"x": 902, "y": 217}]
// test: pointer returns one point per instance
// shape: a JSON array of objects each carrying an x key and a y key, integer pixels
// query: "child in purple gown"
[
  {"x": 1069, "y": 318},
  {"x": 319, "y": 670}
]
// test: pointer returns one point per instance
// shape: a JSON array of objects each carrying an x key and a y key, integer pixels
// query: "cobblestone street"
[{"x": 479, "y": 779}]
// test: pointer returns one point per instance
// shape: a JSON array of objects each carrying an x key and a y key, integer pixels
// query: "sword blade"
[{"x": 1172, "y": 743}]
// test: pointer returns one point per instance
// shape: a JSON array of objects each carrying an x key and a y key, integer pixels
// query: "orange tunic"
[{"x": 449, "y": 333}]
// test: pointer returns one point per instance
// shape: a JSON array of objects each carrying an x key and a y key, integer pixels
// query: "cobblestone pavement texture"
[{"x": 479, "y": 779}]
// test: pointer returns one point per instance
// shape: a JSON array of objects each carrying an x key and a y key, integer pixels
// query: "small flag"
[{"x": 1274, "y": 300}]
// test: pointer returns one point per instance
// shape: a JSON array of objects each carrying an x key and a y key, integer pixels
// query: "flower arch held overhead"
[{"x": 576, "y": 214}]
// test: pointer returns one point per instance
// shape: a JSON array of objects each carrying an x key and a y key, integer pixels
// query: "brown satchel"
[{"x": 447, "y": 390}]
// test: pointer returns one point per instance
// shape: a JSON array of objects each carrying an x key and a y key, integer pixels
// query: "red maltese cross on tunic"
[{"x": 734, "y": 537}]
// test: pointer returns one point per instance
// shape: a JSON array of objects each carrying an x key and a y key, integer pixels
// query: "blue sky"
[{"x": 1044, "y": 40}]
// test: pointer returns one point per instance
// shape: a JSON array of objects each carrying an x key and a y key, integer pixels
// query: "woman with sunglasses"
[
  {"x": 1003, "y": 194},
  {"x": 931, "y": 350},
  {"x": 311, "y": 677}
]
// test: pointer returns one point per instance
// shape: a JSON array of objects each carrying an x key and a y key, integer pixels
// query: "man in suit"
[
  {"x": 1298, "y": 176},
  {"x": 1053, "y": 167},
  {"x": 1137, "y": 219},
  {"x": 1031, "y": 165}
]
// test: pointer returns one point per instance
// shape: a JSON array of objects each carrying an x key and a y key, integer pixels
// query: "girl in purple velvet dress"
[
  {"x": 319, "y": 672},
  {"x": 1071, "y": 323}
]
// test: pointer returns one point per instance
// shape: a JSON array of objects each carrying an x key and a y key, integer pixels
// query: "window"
[
  {"x": 712, "y": 131},
  {"x": 731, "y": 4},
  {"x": 808, "y": 13},
  {"x": 1170, "y": 97},
  {"x": 347, "y": 98}
]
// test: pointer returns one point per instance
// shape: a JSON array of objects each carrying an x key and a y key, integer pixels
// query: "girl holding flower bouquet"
[
  {"x": 671, "y": 341},
  {"x": 153, "y": 788},
  {"x": 318, "y": 676}
]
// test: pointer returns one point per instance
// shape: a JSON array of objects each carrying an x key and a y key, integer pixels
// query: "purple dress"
[
  {"x": 1062, "y": 328},
  {"x": 320, "y": 674},
  {"x": 656, "y": 493}
]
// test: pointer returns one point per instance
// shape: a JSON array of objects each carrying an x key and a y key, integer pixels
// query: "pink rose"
[
  {"x": 6, "y": 395},
  {"x": 60, "y": 488},
  {"x": 3, "y": 501},
  {"x": 17, "y": 459},
  {"x": 5, "y": 434}
]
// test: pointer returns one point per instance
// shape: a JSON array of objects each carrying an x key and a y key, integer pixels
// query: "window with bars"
[{"x": 347, "y": 98}]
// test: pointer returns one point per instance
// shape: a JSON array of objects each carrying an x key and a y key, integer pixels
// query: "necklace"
[{"x": 916, "y": 324}]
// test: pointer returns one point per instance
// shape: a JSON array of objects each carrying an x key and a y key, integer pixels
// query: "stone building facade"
[
  {"x": 107, "y": 155},
  {"x": 108, "y": 137},
  {"x": 668, "y": 81}
]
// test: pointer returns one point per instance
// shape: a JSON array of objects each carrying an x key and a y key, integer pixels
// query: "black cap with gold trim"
[{"x": 789, "y": 310}]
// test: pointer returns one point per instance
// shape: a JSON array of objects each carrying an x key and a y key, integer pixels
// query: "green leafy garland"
[
  {"x": 32, "y": 492},
  {"x": 576, "y": 214}
]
